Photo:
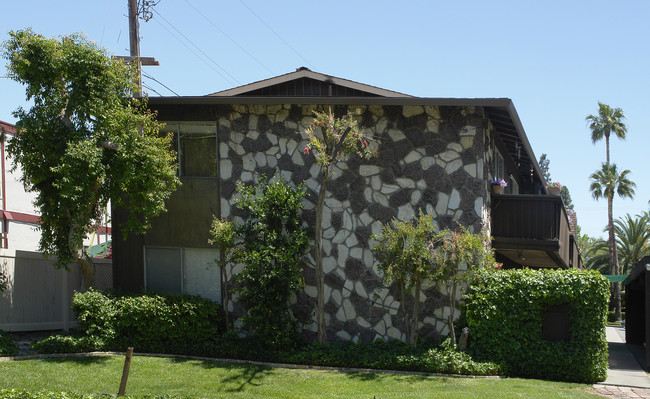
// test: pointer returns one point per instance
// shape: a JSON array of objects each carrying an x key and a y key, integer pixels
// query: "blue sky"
[{"x": 554, "y": 59}]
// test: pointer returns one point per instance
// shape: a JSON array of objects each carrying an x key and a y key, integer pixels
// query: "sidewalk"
[{"x": 625, "y": 376}]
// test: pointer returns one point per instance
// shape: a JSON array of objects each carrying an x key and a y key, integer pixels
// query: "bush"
[
  {"x": 611, "y": 318},
  {"x": 173, "y": 324},
  {"x": 7, "y": 345},
  {"x": 69, "y": 344},
  {"x": 505, "y": 312}
]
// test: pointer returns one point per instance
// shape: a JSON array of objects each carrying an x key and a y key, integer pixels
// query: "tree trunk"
[
  {"x": 87, "y": 271},
  {"x": 452, "y": 310},
  {"x": 613, "y": 256},
  {"x": 224, "y": 290},
  {"x": 402, "y": 304},
  {"x": 320, "y": 277},
  {"x": 416, "y": 310}
]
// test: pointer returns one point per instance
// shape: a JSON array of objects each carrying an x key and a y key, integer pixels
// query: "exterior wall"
[{"x": 430, "y": 158}]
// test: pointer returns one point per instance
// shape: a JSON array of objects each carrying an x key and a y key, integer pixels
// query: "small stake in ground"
[{"x": 125, "y": 372}]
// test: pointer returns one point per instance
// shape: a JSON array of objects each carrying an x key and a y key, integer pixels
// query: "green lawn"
[{"x": 208, "y": 379}]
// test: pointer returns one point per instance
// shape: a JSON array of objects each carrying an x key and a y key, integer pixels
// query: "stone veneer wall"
[{"x": 430, "y": 158}]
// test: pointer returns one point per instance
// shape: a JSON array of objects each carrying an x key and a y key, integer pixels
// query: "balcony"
[{"x": 533, "y": 231}]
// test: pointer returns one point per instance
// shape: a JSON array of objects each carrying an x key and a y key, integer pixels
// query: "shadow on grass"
[
  {"x": 80, "y": 360},
  {"x": 237, "y": 376},
  {"x": 378, "y": 377}
]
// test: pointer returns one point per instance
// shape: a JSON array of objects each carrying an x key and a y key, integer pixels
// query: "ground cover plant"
[
  {"x": 187, "y": 378},
  {"x": 510, "y": 312},
  {"x": 7, "y": 345}
]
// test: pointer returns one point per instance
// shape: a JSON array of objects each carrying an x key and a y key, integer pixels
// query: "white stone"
[
  {"x": 368, "y": 258},
  {"x": 273, "y": 151},
  {"x": 311, "y": 291},
  {"x": 427, "y": 162},
  {"x": 454, "y": 199},
  {"x": 433, "y": 126},
  {"x": 405, "y": 183},
  {"x": 394, "y": 333},
  {"x": 376, "y": 110},
  {"x": 367, "y": 194},
  {"x": 415, "y": 197},
  {"x": 327, "y": 291},
  {"x": 365, "y": 218},
  {"x": 260, "y": 158},
  {"x": 281, "y": 116},
  {"x": 247, "y": 177},
  {"x": 380, "y": 126},
  {"x": 223, "y": 150},
  {"x": 457, "y": 215},
  {"x": 340, "y": 236},
  {"x": 237, "y": 137},
  {"x": 441, "y": 206},
  {"x": 455, "y": 147},
  {"x": 340, "y": 314},
  {"x": 347, "y": 222},
  {"x": 297, "y": 158},
  {"x": 344, "y": 335},
  {"x": 412, "y": 110},
  {"x": 291, "y": 147},
  {"x": 314, "y": 171},
  {"x": 253, "y": 134},
  {"x": 351, "y": 241},
  {"x": 327, "y": 217},
  {"x": 376, "y": 228},
  {"x": 432, "y": 111},
  {"x": 329, "y": 264},
  {"x": 336, "y": 297},
  {"x": 453, "y": 166},
  {"x": 282, "y": 142},
  {"x": 329, "y": 233},
  {"x": 327, "y": 246},
  {"x": 396, "y": 135},
  {"x": 468, "y": 131},
  {"x": 380, "y": 327},
  {"x": 467, "y": 142},
  {"x": 248, "y": 162},
  {"x": 252, "y": 121},
  {"x": 334, "y": 204},
  {"x": 239, "y": 150},
  {"x": 290, "y": 125},
  {"x": 478, "y": 205},
  {"x": 389, "y": 188},
  {"x": 348, "y": 288},
  {"x": 449, "y": 155},
  {"x": 225, "y": 209},
  {"x": 405, "y": 212},
  {"x": 412, "y": 156},
  {"x": 342, "y": 254},
  {"x": 356, "y": 253},
  {"x": 368, "y": 170},
  {"x": 362, "y": 322},
  {"x": 360, "y": 289},
  {"x": 225, "y": 169},
  {"x": 271, "y": 160},
  {"x": 350, "y": 313},
  {"x": 470, "y": 169},
  {"x": 375, "y": 183},
  {"x": 380, "y": 198}
]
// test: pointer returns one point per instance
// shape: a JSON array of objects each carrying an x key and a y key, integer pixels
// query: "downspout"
[{"x": 5, "y": 224}]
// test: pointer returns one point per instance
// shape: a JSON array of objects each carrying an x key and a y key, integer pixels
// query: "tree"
[
  {"x": 456, "y": 253},
  {"x": 273, "y": 241},
  {"x": 84, "y": 142},
  {"x": 224, "y": 235},
  {"x": 404, "y": 258},
  {"x": 331, "y": 139},
  {"x": 545, "y": 166},
  {"x": 608, "y": 121},
  {"x": 605, "y": 183}
]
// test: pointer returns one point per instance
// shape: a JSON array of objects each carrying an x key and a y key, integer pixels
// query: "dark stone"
[
  {"x": 445, "y": 222},
  {"x": 352, "y": 328},
  {"x": 238, "y": 212},
  {"x": 362, "y": 233},
  {"x": 435, "y": 147},
  {"x": 413, "y": 171},
  {"x": 376, "y": 314},
  {"x": 477, "y": 186},
  {"x": 309, "y": 274},
  {"x": 357, "y": 202},
  {"x": 386, "y": 156},
  {"x": 381, "y": 213},
  {"x": 418, "y": 122},
  {"x": 286, "y": 163},
  {"x": 429, "y": 196},
  {"x": 397, "y": 169},
  {"x": 295, "y": 113},
  {"x": 279, "y": 129},
  {"x": 361, "y": 305},
  {"x": 340, "y": 191},
  {"x": 334, "y": 280},
  {"x": 358, "y": 185},
  {"x": 331, "y": 307},
  {"x": 468, "y": 156},
  {"x": 402, "y": 148},
  {"x": 400, "y": 197},
  {"x": 227, "y": 188},
  {"x": 371, "y": 281},
  {"x": 241, "y": 124},
  {"x": 300, "y": 174},
  {"x": 415, "y": 135},
  {"x": 393, "y": 113},
  {"x": 309, "y": 217},
  {"x": 263, "y": 123},
  {"x": 266, "y": 171},
  {"x": 459, "y": 178},
  {"x": 262, "y": 144},
  {"x": 334, "y": 252},
  {"x": 467, "y": 198},
  {"x": 367, "y": 119},
  {"x": 367, "y": 335},
  {"x": 468, "y": 219},
  {"x": 337, "y": 221},
  {"x": 387, "y": 176},
  {"x": 434, "y": 174},
  {"x": 237, "y": 170},
  {"x": 354, "y": 269},
  {"x": 443, "y": 185},
  {"x": 248, "y": 144}
]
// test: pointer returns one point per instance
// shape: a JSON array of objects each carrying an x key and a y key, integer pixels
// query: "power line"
[
  {"x": 231, "y": 39},
  {"x": 152, "y": 89},
  {"x": 159, "y": 82},
  {"x": 197, "y": 47},
  {"x": 274, "y": 32}
]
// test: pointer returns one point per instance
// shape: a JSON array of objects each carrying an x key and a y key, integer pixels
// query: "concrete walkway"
[{"x": 625, "y": 376}]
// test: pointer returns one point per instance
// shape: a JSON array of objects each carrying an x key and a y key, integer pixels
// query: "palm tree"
[
  {"x": 606, "y": 122},
  {"x": 605, "y": 183}
]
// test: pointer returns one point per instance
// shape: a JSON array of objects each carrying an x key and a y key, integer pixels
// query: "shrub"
[
  {"x": 174, "y": 324},
  {"x": 7, "y": 345},
  {"x": 505, "y": 312}
]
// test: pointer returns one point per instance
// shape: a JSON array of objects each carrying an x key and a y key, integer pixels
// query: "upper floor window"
[{"x": 196, "y": 145}]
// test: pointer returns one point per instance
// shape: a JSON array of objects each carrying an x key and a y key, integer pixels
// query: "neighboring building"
[
  {"x": 19, "y": 219},
  {"x": 435, "y": 154}
]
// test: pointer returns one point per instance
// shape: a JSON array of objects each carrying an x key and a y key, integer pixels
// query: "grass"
[{"x": 210, "y": 379}]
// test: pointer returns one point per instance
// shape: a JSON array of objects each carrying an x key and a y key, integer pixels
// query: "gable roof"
[{"x": 307, "y": 83}]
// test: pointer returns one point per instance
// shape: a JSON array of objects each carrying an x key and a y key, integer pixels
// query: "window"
[
  {"x": 183, "y": 270},
  {"x": 196, "y": 145}
]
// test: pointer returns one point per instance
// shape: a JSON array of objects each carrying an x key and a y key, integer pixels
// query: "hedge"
[{"x": 505, "y": 313}]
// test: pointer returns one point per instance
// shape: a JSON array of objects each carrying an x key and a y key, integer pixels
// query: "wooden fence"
[{"x": 38, "y": 296}]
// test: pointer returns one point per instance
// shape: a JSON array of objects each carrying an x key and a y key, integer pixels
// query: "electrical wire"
[
  {"x": 231, "y": 39},
  {"x": 275, "y": 33},
  {"x": 160, "y": 83},
  {"x": 197, "y": 47},
  {"x": 151, "y": 88}
]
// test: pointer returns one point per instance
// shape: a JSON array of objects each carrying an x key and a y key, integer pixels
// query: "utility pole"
[{"x": 134, "y": 40}]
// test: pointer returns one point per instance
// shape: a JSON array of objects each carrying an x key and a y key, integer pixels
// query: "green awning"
[
  {"x": 99, "y": 250},
  {"x": 616, "y": 279}
]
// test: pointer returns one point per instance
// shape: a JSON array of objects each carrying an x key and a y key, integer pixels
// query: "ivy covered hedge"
[{"x": 506, "y": 312}]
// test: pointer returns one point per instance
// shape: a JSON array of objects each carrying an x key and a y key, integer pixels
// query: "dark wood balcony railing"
[{"x": 533, "y": 223}]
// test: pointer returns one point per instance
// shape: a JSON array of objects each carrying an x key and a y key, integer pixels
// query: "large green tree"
[
  {"x": 84, "y": 141},
  {"x": 607, "y": 182},
  {"x": 608, "y": 120}
]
